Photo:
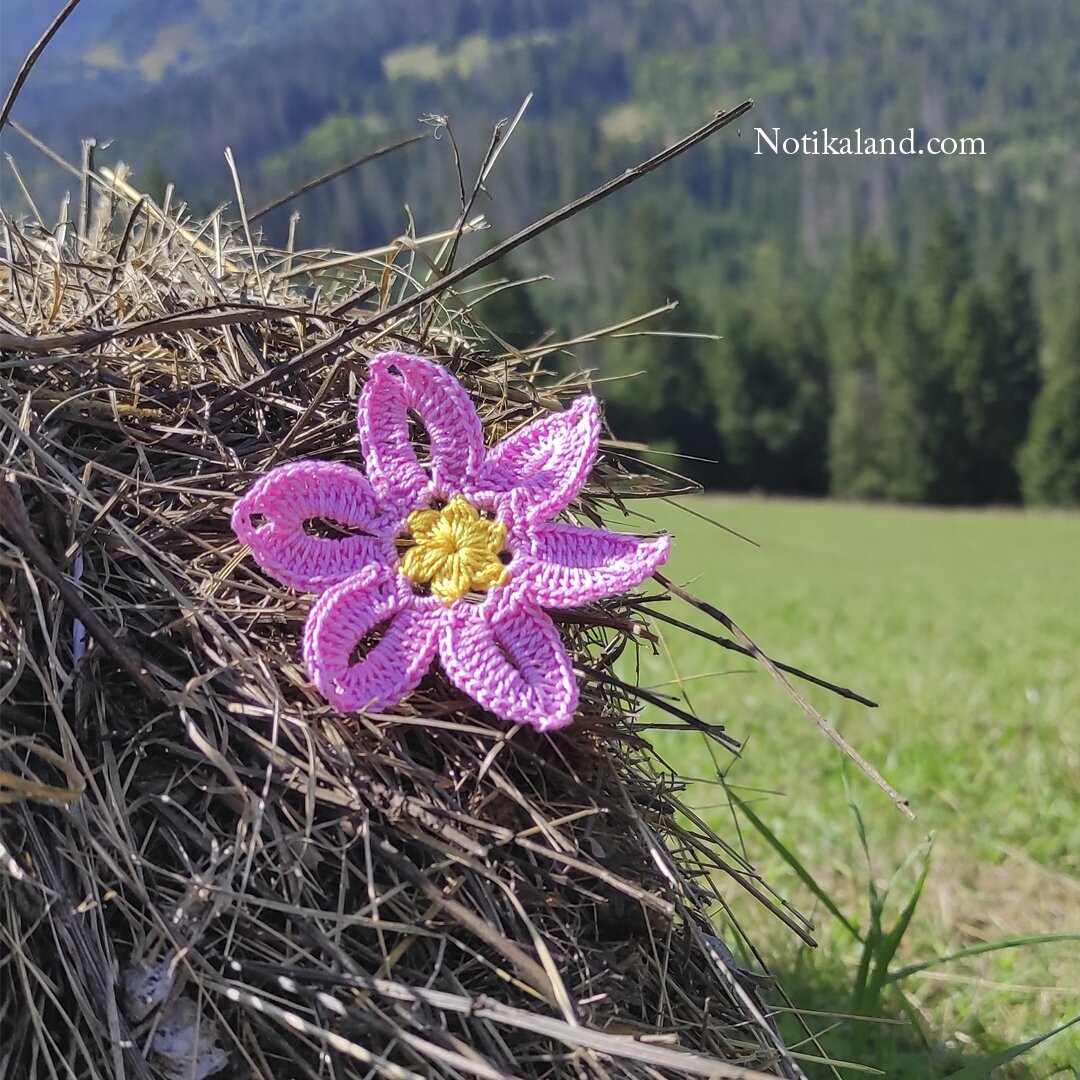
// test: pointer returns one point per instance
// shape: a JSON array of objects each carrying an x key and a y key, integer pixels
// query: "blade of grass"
[
  {"x": 982, "y": 1070},
  {"x": 890, "y": 942},
  {"x": 800, "y": 870},
  {"x": 979, "y": 950}
]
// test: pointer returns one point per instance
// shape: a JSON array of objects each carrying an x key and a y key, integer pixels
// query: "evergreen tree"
[
  {"x": 1050, "y": 459},
  {"x": 772, "y": 399},
  {"x": 913, "y": 392},
  {"x": 659, "y": 398},
  {"x": 1013, "y": 300},
  {"x": 859, "y": 313},
  {"x": 976, "y": 462},
  {"x": 926, "y": 448},
  {"x": 946, "y": 268}
]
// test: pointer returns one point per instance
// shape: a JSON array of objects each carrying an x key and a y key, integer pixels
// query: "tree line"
[{"x": 932, "y": 383}]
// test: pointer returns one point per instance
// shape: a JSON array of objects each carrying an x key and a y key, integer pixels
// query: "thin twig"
[
  {"x": 503, "y": 131},
  {"x": 734, "y": 646},
  {"x": 86, "y": 186},
  {"x": 167, "y": 324},
  {"x": 121, "y": 251},
  {"x": 18, "y": 524},
  {"x": 32, "y": 58},
  {"x": 311, "y": 185},
  {"x": 714, "y": 731},
  {"x": 230, "y": 160}
]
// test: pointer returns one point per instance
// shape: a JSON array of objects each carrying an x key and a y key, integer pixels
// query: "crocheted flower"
[{"x": 451, "y": 552}]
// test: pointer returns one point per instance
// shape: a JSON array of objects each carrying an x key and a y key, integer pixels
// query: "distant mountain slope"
[{"x": 173, "y": 83}]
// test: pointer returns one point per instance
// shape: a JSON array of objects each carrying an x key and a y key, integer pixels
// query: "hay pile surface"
[{"x": 204, "y": 869}]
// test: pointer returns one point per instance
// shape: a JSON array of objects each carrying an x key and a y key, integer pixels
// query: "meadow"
[{"x": 965, "y": 627}]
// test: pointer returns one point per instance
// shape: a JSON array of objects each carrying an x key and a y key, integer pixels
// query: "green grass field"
[{"x": 965, "y": 626}]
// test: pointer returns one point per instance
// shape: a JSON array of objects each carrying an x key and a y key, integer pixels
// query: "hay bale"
[{"x": 205, "y": 870}]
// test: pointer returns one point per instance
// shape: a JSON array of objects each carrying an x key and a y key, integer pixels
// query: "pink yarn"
[{"x": 497, "y": 646}]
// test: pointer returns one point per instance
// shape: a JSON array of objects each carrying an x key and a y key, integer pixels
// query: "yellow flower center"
[{"x": 454, "y": 550}]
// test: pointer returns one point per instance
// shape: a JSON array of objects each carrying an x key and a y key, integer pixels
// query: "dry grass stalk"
[{"x": 203, "y": 866}]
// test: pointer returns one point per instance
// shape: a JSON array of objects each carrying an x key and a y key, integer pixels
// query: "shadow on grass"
[{"x": 890, "y": 1045}]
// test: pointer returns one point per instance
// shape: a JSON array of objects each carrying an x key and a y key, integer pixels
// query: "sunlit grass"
[{"x": 966, "y": 627}]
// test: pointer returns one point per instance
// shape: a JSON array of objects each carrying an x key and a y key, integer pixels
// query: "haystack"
[{"x": 205, "y": 870}]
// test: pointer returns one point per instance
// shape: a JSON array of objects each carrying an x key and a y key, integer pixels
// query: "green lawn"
[{"x": 966, "y": 627}]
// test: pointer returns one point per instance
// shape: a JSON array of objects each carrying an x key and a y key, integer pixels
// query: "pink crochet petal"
[
  {"x": 343, "y": 616},
  {"x": 313, "y": 523},
  {"x": 402, "y": 384},
  {"x": 515, "y": 665},
  {"x": 568, "y": 565},
  {"x": 539, "y": 469}
]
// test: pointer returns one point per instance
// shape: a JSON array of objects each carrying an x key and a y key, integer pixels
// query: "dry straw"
[{"x": 205, "y": 870}]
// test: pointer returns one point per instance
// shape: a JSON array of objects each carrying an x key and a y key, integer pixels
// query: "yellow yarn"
[{"x": 454, "y": 550}]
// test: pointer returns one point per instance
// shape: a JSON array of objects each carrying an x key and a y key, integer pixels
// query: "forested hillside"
[{"x": 897, "y": 327}]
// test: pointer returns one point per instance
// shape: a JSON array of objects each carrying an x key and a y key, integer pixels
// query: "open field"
[{"x": 966, "y": 627}]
